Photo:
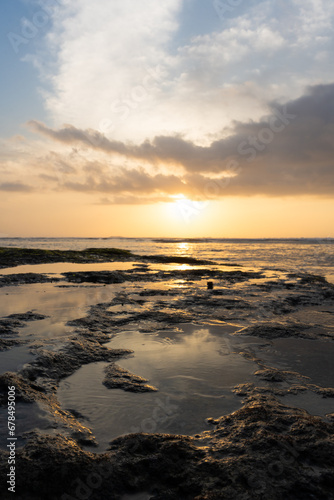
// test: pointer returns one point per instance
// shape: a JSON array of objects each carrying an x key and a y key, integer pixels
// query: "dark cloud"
[
  {"x": 48, "y": 178},
  {"x": 60, "y": 164},
  {"x": 128, "y": 182},
  {"x": 15, "y": 187},
  {"x": 288, "y": 152},
  {"x": 71, "y": 135},
  {"x": 133, "y": 200}
]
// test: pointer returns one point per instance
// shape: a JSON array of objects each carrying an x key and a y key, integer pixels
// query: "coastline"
[{"x": 263, "y": 449}]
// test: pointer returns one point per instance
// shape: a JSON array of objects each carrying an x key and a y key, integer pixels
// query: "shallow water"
[
  {"x": 311, "y": 358},
  {"x": 194, "y": 370},
  {"x": 14, "y": 359},
  {"x": 313, "y": 255},
  {"x": 28, "y": 417},
  {"x": 49, "y": 299},
  {"x": 66, "y": 267},
  {"x": 314, "y": 404},
  {"x": 59, "y": 304},
  {"x": 58, "y": 268}
]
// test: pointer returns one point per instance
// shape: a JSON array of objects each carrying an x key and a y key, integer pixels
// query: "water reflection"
[
  {"x": 45, "y": 298},
  {"x": 182, "y": 247},
  {"x": 193, "y": 368},
  {"x": 66, "y": 267}
]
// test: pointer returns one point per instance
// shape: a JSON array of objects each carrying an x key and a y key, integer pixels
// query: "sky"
[{"x": 183, "y": 118}]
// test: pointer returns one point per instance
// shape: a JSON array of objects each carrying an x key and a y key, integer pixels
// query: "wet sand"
[{"x": 134, "y": 381}]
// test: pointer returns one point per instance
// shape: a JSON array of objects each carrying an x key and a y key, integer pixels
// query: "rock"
[
  {"x": 277, "y": 330},
  {"x": 275, "y": 375},
  {"x": 25, "y": 278},
  {"x": 119, "y": 378},
  {"x": 10, "y": 257},
  {"x": 7, "y": 344},
  {"x": 105, "y": 277},
  {"x": 57, "y": 365},
  {"x": 25, "y": 390}
]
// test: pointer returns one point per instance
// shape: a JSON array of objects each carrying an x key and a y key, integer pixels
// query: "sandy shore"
[{"x": 258, "y": 348}]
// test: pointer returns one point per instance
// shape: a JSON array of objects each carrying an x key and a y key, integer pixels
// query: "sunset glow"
[{"x": 167, "y": 119}]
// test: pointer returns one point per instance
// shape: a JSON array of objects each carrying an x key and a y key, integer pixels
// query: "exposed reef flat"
[
  {"x": 25, "y": 279},
  {"x": 108, "y": 277},
  {"x": 10, "y": 257},
  {"x": 8, "y": 343},
  {"x": 271, "y": 448}
]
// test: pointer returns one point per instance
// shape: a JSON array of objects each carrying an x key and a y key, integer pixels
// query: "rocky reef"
[
  {"x": 267, "y": 449},
  {"x": 263, "y": 450}
]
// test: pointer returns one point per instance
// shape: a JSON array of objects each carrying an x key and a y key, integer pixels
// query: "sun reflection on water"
[{"x": 183, "y": 247}]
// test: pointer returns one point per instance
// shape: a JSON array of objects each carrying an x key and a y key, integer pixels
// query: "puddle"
[
  {"x": 66, "y": 267},
  {"x": 28, "y": 416},
  {"x": 314, "y": 404},
  {"x": 322, "y": 316},
  {"x": 62, "y": 267},
  {"x": 312, "y": 358},
  {"x": 194, "y": 369},
  {"x": 47, "y": 299},
  {"x": 14, "y": 359},
  {"x": 60, "y": 307}
]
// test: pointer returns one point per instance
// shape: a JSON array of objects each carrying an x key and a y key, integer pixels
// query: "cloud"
[
  {"x": 291, "y": 151},
  {"x": 60, "y": 164},
  {"x": 102, "y": 54},
  {"x": 122, "y": 69},
  {"x": 128, "y": 182},
  {"x": 71, "y": 135},
  {"x": 133, "y": 200},
  {"x": 12, "y": 187}
]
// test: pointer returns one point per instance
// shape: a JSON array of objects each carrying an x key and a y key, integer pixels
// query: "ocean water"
[{"x": 311, "y": 255}]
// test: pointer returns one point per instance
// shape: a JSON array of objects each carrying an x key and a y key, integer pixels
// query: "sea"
[{"x": 307, "y": 255}]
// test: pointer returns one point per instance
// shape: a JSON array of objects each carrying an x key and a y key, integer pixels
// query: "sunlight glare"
[{"x": 185, "y": 209}]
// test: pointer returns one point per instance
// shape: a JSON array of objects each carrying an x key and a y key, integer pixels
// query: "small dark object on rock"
[{"x": 210, "y": 285}]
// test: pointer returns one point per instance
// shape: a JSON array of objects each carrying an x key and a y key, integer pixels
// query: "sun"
[
  {"x": 184, "y": 209},
  {"x": 183, "y": 217}
]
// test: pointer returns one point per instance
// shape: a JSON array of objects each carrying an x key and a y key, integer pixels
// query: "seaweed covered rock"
[
  {"x": 12, "y": 256},
  {"x": 119, "y": 378},
  {"x": 277, "y": 330},
  {"x": 25, "y": 278},
  {"x": 78, "y": 352},
  {"x": 25, "y": 390},
  {"x": 8, "y": 343},
  {"x": 105, "y": 277}
]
